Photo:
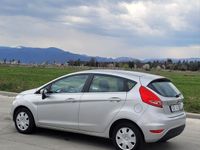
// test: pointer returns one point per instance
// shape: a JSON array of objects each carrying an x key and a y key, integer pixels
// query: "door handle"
[
  {"x": 115, "y": 99},
  {"x": 70, "y": 100}
]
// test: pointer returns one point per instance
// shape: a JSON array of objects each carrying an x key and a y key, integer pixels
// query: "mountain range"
[{"x": 51, "y": 54}]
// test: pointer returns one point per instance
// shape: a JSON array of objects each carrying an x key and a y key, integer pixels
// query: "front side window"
[
  {"x": 105, "y": 83},
  {"x": 72, "y": 84}
]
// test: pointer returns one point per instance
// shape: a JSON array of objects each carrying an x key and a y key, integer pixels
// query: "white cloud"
[
  {"x": 137, "y": 28},
  {"x": 75, "y": 20},
  {"x": 158, "y": 17}
]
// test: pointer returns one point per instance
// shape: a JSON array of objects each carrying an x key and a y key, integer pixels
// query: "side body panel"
[
  {"x": 59, "y": 110},
  {"x": 98, "y": 109}
]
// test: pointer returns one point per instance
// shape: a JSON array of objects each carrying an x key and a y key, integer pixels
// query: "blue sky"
[{"x": 111, "y": 28}]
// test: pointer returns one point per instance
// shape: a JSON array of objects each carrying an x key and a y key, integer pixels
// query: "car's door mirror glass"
[{"x": 44, "y": 93}]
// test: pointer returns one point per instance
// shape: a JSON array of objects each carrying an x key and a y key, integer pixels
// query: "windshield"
[{"x": 164, "y": 88}]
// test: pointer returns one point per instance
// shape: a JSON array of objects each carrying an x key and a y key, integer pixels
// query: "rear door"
[
  {"x": 171, "y": 97},
  {"x": 103, "y": 100}
]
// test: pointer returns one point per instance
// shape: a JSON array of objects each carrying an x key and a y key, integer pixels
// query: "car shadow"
[
  {"x": 76, "y": 138},
  {"x": 158, "y": 146},
  {"x": 96, "y": 141}
]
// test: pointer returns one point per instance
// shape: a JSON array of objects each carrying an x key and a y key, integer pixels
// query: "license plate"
[{"x": 177, "y": 107}]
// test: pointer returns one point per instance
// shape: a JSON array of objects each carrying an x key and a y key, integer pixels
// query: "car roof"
[
  {"x": 143, "y": 78},
  {"x": 126, "y": 74}
]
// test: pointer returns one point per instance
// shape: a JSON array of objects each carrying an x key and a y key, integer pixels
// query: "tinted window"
[
  {"x": 72, "y": 84},
  {"x": 164, "y": 88},
  {"x": 102, "y": 83}
]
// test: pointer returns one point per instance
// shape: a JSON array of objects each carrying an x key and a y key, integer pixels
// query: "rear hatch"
[{"x": 171, "y": 97}]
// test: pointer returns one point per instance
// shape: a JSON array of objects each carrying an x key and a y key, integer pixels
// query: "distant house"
[
  {"x": 58, "y": 64},
  {"x": 15, "y": 62},
  {"x": 163, "y": 67},
  {"x": 66, "y": 64},
  {"x": 158, "y": 68},
  {"x": 146, "y": 67},
  {"x": 110, "y": 65}
]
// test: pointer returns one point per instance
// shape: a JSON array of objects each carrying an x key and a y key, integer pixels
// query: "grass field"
[{"x": 18, "y": 78}]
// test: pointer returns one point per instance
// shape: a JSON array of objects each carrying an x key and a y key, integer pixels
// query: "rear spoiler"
[
  {"x": 147, "y": 81},
  {"x": 160, "y": 80}
]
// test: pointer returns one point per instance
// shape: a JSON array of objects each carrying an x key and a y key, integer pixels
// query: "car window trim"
[{"x": 87, "y": 83}]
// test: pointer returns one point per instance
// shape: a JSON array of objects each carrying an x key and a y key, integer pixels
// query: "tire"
[
  {"x": 127, "y": 136},
  {"x": 24, "y": 121}
]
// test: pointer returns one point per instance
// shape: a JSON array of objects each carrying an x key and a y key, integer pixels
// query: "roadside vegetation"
[{"x": 19, "y": 78}]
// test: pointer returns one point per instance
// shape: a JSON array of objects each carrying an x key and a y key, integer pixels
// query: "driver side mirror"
[{"x": 44, "y": 93}]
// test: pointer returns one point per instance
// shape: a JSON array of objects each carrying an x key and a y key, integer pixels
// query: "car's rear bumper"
[
  {"x": 172, "y": 133},
  {"x": 172, "y": 127}
]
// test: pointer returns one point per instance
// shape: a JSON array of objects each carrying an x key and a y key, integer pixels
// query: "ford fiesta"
[{"x": 128, "y": 107}]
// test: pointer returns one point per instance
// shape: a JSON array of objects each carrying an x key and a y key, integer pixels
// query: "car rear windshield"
[{"x": 164, "y": 87}]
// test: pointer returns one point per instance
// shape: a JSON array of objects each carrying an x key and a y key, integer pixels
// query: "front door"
[{"x": 61, "y": 107}]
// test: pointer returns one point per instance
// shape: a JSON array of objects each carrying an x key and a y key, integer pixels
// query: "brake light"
[
  {"x": 157, "y": 131},
  {"x": 149, "y": 97}
]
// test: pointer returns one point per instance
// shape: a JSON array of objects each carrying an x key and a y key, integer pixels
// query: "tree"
[
  {"x": 125, "y": 65},
  {"x": 77, "y": 62},
  {"x": 92, "y": 62},
  {"x": 117, "y": 64},
  {"x": 71, "y": 63},
  {"x": 131, "y": 64},
  {"x": 169, "y": 64},
  {"x": 5, "y": 60},
  {"x": 169, "y": 61}
]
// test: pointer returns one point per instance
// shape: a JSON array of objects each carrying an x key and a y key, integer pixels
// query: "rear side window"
[
  {"x": 164, "y": 87},
  {"x": 130, "y": 84},
  {"x": 104, "y": 83}
]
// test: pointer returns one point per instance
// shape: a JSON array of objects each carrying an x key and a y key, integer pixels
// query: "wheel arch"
[
  {"x": 22, "y": 106},
  {"x": 120, "y": 121}
]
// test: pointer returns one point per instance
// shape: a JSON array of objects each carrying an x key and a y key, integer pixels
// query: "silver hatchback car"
[{"x": 128, "y": 107}]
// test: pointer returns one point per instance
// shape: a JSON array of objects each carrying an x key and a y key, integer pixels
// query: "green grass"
[{"x": 19, "y": 78}]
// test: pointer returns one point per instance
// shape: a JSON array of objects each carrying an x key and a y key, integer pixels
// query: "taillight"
[
  {"x": 149, "y": 97},
  {"x": 157, "y": 131}
]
